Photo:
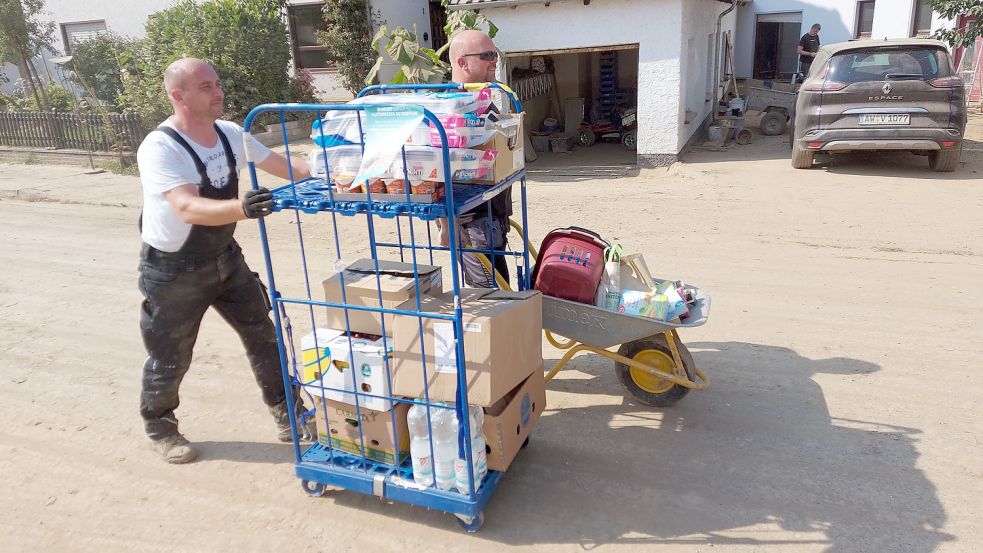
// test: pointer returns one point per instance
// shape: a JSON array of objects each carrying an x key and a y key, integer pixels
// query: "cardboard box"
[
  {"x": 396, "y": 283},
  {"x": 502, "y": 345},
  {"x": 508, "y": 141},
  {"x": 328, "y": 368},
  {"x": 511, "y": 419},
  {"x": 340, "y": 430}
]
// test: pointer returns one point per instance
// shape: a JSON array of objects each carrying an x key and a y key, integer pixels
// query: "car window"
[{"x": 900, "y": 63}]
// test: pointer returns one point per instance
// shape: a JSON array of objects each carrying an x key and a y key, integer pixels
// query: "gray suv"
[{"x": 881, "y": 95}]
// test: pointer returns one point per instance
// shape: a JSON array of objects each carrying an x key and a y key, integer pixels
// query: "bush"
[
  {"x": 348, "y": 39},
  {"x": 97, "y": 66},
  {"x": 59, "y": 99},
  {"x": 245, "y": 41}
]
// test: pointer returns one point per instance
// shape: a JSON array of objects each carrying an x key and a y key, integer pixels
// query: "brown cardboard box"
[
  {"x": 396, "y": 282},
  {"x": 509, "y": 422},
  {"x": 377, "y": 430},
  {"x": 502, "y": 345},
  {"x": 509, "y": 143}
]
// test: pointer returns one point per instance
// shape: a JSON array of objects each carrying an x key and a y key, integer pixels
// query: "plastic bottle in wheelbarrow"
[
  {"x": 416, "y": 420},
  {"x": 570, "y": 264}
]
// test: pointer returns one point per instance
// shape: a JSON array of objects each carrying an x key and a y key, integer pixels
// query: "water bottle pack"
[
  {"x": 421, "y": 163},
  {"x": 441, "y": 466}
]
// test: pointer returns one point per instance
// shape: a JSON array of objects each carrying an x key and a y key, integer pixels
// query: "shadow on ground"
[{"x": 758, "y": 448}]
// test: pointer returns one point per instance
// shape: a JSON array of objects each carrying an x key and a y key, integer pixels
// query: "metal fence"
[{"x": 86, "y": 131}]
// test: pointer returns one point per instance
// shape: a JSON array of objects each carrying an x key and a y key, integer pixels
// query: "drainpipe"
[{"x": 716, "y": 57}]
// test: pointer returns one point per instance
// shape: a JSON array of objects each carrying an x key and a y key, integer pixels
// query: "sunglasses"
[{"x": 490, "y": 55}]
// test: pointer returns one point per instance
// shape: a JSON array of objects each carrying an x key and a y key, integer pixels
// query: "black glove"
[{"x": 257, "y": 203}]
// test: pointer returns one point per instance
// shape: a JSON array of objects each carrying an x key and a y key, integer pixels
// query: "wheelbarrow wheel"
[{"x": 647, "y": 388}]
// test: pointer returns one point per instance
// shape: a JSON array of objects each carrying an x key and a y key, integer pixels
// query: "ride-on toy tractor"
[{"x": 620, "y": 125}]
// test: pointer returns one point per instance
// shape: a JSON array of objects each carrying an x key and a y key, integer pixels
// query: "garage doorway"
[
  {"x": 566, "y": 91},
  {"x": 776, "y": 39}
]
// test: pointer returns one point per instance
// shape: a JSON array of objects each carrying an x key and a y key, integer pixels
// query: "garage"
[{"x": 580, "y": 103}]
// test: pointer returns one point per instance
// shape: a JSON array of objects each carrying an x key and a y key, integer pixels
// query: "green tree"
[
  {"x": 245, "y": 40},
  {"x": 951, "y": 9},
  {"x": 23, "y": 35},
  {"x": 98, "y": 66},
  {"x": 417, "y": 63},
  {"x": 348, "y": 39}
]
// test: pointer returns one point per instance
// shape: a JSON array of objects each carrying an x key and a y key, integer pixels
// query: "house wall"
[
  {"x": 652, "y": 24},
  {"x": 402, "y": 13},
  {"x": 892, "y": 19},
  {"x": 699, "y": 22}
]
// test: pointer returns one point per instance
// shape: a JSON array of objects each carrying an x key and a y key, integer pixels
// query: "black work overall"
[{"x": 208, "y": 270}]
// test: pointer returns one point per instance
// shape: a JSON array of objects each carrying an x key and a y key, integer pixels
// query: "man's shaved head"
[
  {"x": 466, "y": 67},
  {"x": 176, "y": 74}
]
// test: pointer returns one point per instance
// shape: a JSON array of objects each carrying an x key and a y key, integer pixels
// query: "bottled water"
[
  {"x": 444, "y": 425},
  {"x": 416, "y": 420},
  {"x": 479, "y": 458}
]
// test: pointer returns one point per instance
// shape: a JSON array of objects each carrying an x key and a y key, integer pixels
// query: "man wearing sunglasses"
[{"x": 474, "y": 59}]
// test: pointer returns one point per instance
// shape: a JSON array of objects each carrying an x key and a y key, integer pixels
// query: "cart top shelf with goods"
[{"x": 365, "y": 447}]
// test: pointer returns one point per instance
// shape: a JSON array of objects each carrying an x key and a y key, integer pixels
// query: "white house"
[
  {"x": 665, "y": 51},
  {"x": 76, "y": 20},
  {"x": 769, "y": 30}
]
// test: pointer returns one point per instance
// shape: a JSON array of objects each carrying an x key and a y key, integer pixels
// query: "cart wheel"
[
  {"x": 586, "y": 138},
  {"x": 525, "y": 443},
  {"x": 773, "y": 123},
  {"x": 471, "y": 524},
  {"x": 313, "y": 489},
  {"x": 644, "y": 387},
  {"x": 628, "y": 140}
]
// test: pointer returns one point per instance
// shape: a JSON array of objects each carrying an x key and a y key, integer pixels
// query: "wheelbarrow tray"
[{"x": 601, "y": 328}]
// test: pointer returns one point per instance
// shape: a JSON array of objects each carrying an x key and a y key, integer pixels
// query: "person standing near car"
[
  {"x": 808, "y": 46},
  {"x": 474, "y": 59},
  {"x": 190, "y": 261}
]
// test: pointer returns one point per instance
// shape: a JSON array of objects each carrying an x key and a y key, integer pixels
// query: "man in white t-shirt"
[{"x": 189, "y": 167}]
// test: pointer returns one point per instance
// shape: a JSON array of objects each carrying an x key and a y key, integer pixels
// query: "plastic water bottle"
[
  {"x": 416, "y": 420},
  {"x": 444, "y": 424},
  {"x": 479, "y": 458}
]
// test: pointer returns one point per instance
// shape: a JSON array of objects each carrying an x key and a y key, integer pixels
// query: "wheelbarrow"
[{"x": 652, "y": 363}]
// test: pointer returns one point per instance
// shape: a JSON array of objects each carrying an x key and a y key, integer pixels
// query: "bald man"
[
  {"x": 190, "y": 261},
  {"x": 474, "y": 59}
]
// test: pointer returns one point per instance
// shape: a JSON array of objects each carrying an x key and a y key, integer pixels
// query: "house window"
[
  {"x": 921, "y": 24},
  {"x": 305, "y": 21},
  {"x": 865, "y": 18},
  {"x": 79, "y": 31}
]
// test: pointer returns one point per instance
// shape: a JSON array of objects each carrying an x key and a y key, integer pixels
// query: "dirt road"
[{"x": 844, "y": 346}]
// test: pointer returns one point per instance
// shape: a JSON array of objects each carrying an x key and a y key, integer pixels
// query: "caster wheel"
[
  {"x": 313, "y": 489},
  {"x": 471, "y": 524},
  {"x": 525, "y": 444}
]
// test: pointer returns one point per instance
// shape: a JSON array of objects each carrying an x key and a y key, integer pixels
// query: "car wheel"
[
  {"x": 943, "y": 160},
  {"x": 773, "y": 123},
  {"x": 801, "y": 158}
]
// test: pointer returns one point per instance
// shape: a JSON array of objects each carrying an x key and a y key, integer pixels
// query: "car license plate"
[{"x": 885, "y": 119}]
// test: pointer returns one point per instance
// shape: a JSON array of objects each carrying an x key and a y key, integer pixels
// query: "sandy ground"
[{"x": 843, "y": 344}]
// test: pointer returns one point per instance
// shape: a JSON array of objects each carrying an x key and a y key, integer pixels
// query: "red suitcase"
[{"x": 570, "y": 264}]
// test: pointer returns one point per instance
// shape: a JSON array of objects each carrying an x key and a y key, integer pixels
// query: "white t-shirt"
[{"x": 164, "y": 165}]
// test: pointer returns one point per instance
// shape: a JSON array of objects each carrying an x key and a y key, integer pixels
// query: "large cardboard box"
[
  {"x": 328, "y": 356},
  {"x": 511, "y": 419},
  {"x": 396, "y": 282},
  {"x": 508, "y": 141},
  {"x": 502, "y": 345},
  {"x": 340, "y": 430}
]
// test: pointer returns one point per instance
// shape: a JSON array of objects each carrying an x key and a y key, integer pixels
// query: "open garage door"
[{"x": 580, "y": 106}]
